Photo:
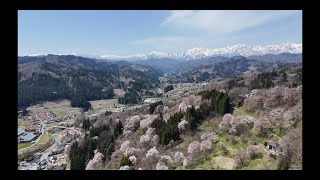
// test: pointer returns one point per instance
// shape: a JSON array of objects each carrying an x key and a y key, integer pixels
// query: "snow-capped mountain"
[{"x": 229, "y": 51}]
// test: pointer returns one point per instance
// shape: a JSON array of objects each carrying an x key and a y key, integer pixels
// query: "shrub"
[
  {"x": 242, "y": 158},
  {"x": 125, "y": 161},
  {"x": 254, "y": 151}
]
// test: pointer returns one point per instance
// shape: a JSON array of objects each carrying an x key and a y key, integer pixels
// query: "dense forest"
[
  {"x": 268, "y": 79},
  {"x": 167, "y": 130},
  {"x": 41, "y": 88},
  {"x": 81, "y": 153},
  {"x": 79, "y": 79},
  {"x": 130, "y": 97},
  {"x": 219, "y": 101},
  {"x": 168, "y": 88}
]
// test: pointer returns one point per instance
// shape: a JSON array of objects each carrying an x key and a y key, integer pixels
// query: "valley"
[
  {"x": 255, "y": 113},
  {"x": 160, "y": 90}
]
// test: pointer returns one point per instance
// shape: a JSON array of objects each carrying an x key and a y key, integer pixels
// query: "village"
[
  {"x": 42, "y": 122},
  {"x": 58, "y": 128}
]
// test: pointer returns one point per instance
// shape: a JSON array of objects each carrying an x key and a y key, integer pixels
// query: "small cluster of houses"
[
  {"x": 48, "y": 117},
  {"x": 58, "y": 119},
  {"x": 67, "y": 140},
  {"x": 24, "y": 136},
  {"x": 43, "y": 164},
  {"x": 44, "y": 116},
  {"x": 35, "y": 164}
]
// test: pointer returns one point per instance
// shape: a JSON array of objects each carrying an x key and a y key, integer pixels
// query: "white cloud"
[{"x": 223, "y": 21}]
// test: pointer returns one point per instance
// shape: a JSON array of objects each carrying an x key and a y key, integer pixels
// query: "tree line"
[
  {"x": 154, "y": 105},
  {"x": 81, "y": 153},
  {"x": 169, "y": 130},
  {"x": 220, "y": 101}
]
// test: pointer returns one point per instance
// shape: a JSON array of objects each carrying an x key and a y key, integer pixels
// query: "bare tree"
[{"x": 242, "y": 158}]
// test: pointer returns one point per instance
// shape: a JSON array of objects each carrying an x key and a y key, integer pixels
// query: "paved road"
[
  {"x": 47, "y": 151},
  {"x": 57, "y": 140}
]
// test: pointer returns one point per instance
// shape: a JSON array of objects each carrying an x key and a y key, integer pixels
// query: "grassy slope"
[
  {"x": 218, "y": 159},
  {"x": 23, "y": 145}
]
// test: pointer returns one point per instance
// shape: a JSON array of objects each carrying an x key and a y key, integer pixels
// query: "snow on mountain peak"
[{"x": 229, "y": 51}]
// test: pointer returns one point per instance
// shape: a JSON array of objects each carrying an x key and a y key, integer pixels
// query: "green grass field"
[
  {"x": 23, "y": 145},
  {"x": 240, "y": 111}
]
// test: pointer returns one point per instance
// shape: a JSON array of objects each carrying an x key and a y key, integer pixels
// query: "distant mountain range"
[
  {"x": 229, "y": 51},
  {"x": 176, "y": 66},
  {"x": 52, "y": 77}
]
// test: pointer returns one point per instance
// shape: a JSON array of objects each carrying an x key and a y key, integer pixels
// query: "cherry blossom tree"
[
  {"x": 126, "y": 150},
  {"x": 161, "y": 166},
  {"x": 145, "y": 139},
  {"x": 165, "y": 109},
  {"x": 151, "y": 131},
  {"x": 299, "y": 92},
  {"x": 225, "y": 123},
  {"x": 96, "y": 162},
  {"x": 186, "y": 161},
  {"x": 209, "y": 136},
  {"x": 184, "y": 106},
  {"x": 275, "y": 116},
  {"x": 131, "y": 124},
  {"x": 147, "y": 121},
  {"x": 274, "y": 97},
  {"x": 194, "y": 148},
  {"x": 133, "y": 159},
  {"x": 262, "y": 123},
  {"x": 182, "y": 124},
  {"x": 155, "y": 140},
  {"x": 290, "y": 116},
  {"x": 179, "y": 157},
  {"x": 241, "y": 124},
  {"x": 253, "y": 102},
  {"x": 125, "y": 146},
  {"x": 242, "y": 158},
  {"x": 206, "y": 145},
  {"x": 291, "y": 146},
  {"x": 133, "y": 151},
  {"x": 289, "y": 95},
  {"x": 152, "y": 154},
  {"x": 254, "y": 151},
  {"x": 166, "y": 159}
]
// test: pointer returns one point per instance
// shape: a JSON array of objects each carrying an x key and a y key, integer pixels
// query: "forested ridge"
[{"x": 79, "y": 79}]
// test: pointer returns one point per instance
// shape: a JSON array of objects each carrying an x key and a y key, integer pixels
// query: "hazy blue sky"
[{"x": 138, "y": 32}]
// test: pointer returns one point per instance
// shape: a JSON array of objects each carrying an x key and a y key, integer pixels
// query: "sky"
[{"x": 120, "y": 32}]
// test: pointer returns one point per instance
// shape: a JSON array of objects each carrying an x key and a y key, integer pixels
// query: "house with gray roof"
[
  {"x": 20, "y": 131},
  {"x": 27, "y": 137}
]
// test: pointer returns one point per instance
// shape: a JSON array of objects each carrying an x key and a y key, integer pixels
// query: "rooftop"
[
  {"x": 25, "y": 136},
  {"x": 20, "y": 131}
]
